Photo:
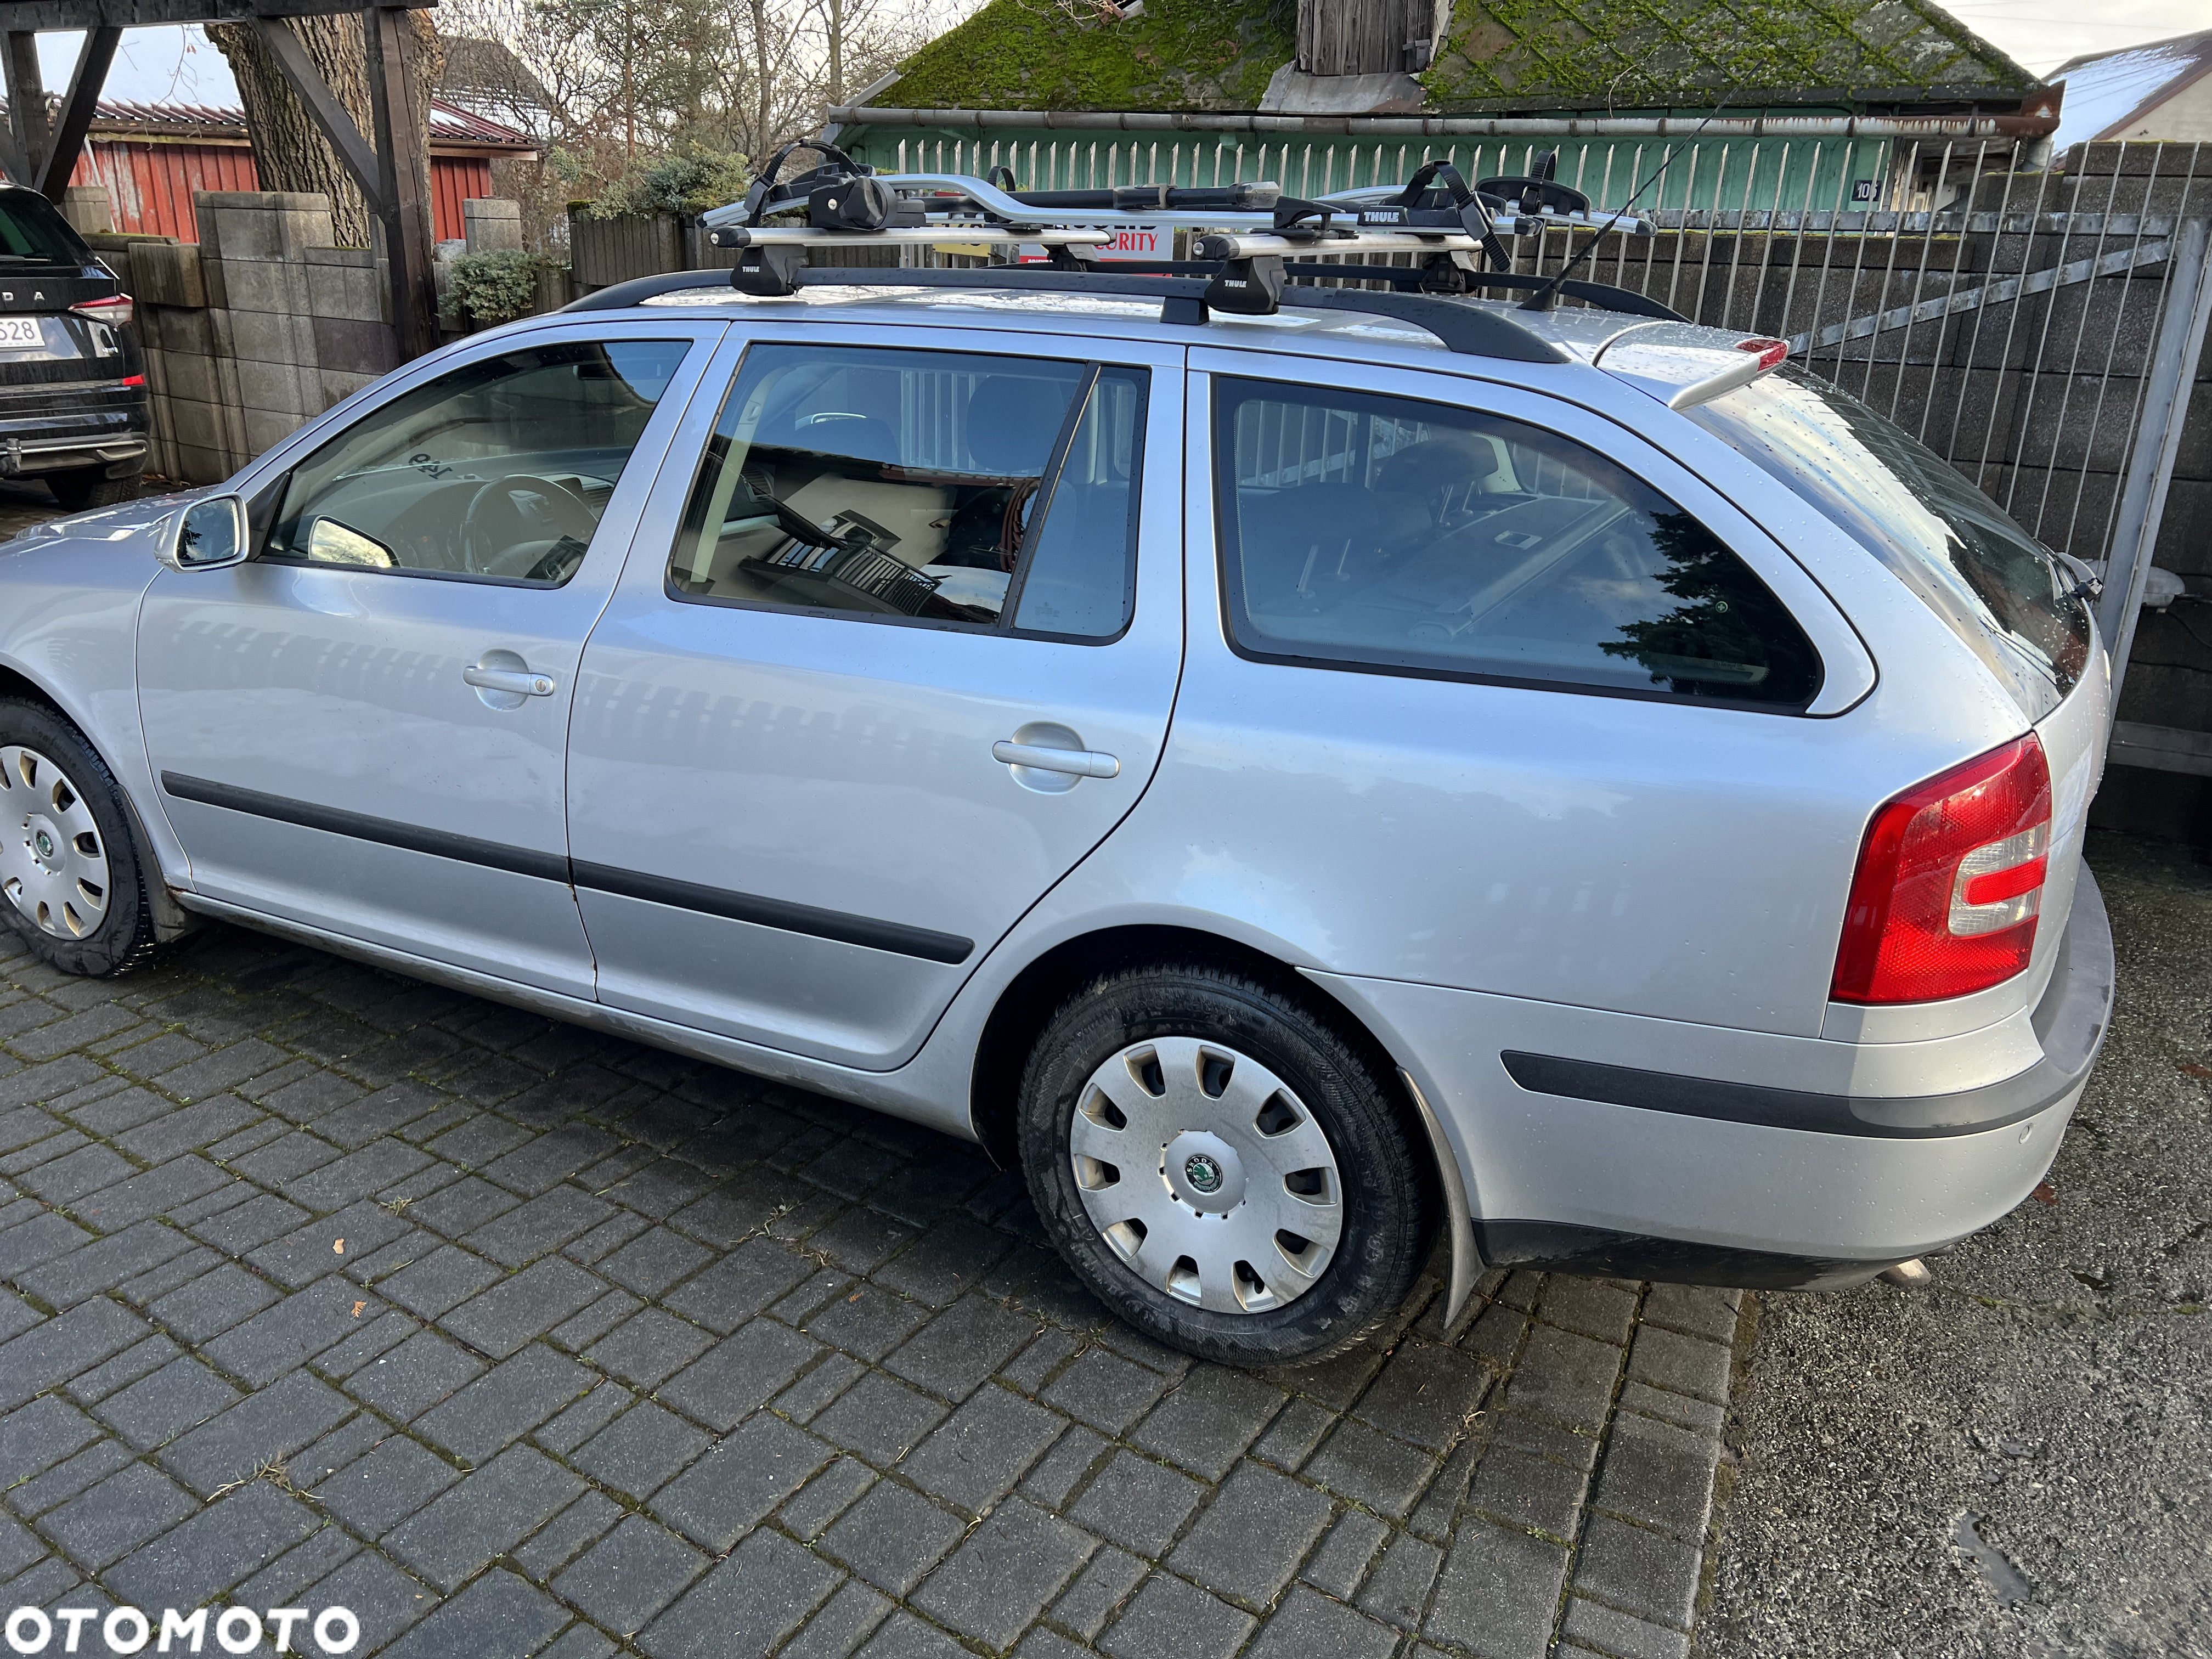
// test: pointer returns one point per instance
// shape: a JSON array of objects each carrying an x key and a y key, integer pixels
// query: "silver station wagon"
[{"x": 1382, "y": 775}]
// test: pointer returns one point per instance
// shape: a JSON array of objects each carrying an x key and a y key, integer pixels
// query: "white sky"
[{"x": 165, "y": 64}]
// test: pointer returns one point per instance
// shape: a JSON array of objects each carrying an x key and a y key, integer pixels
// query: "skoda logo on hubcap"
[
  {"x": 1203, "y": 1174},
  {"x": 46, "y": 845}
]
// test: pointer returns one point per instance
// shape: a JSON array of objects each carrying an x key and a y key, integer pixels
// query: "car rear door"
[{"x": 898, "y": 656}]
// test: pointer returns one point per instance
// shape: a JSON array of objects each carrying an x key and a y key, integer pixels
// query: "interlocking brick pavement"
[{"x": 324, "y": 1287}]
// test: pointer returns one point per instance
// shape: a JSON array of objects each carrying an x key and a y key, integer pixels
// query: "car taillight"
[
  {"x": 1950, "y": 881},
  {"x": 115, "y": 312}
]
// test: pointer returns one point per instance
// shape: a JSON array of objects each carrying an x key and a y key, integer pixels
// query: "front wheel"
[
  {"x": 70, "y": 881},
  {"x": 1221, "y": 1166}
]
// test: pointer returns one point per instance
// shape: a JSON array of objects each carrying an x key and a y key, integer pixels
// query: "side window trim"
[{"x": 1224, "y": 370}]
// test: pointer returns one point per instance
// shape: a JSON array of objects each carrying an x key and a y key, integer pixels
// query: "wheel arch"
[{"x": 1030, "y": 998}]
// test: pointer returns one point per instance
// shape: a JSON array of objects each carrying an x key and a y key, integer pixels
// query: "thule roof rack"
[{"x": 1246, "y": 235}]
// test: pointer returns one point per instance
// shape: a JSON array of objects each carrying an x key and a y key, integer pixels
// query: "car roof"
[{"x": 1581, "y": 332}]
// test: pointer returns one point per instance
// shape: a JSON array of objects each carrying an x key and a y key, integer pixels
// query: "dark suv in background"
[{"x": 72, "y": 379}]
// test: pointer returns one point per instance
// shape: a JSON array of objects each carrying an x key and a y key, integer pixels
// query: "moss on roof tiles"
[
  {"x": 1497, "y": 56},
  {"x": 1631, "y": 54},
  {"x": 1028, "y": 54}
]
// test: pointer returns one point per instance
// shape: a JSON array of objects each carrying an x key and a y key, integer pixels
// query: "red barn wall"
[{"x": 151, "y": 185}]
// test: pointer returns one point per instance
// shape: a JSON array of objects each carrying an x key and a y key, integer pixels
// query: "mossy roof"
[{"x": 1497, "y": 56}]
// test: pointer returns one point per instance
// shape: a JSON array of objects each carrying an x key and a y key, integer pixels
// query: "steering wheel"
[{"x": 494, "y": 525}]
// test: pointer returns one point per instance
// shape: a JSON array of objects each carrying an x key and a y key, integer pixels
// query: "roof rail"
[{"x": 1470, "y": 330}]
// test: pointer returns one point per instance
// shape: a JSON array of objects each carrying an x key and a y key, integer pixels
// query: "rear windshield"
[
  {"x": 31, "y": 229},
  {"x": 2001, "y": 591}
]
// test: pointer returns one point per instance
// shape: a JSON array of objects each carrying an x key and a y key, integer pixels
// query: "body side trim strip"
[
  {"x": 413, "y": 838},
  {"x": 897, "y": 938},
  {"x": 1968, "y": 1111}
]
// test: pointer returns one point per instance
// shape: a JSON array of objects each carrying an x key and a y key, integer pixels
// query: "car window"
[
  {"x": 1394, "y": 535},
  {"x": 497, "y": 470},
  {"x": 1953, "y": 546},
  {"x": 31, "y": 231},
  {"x": 953, "y": 488}
]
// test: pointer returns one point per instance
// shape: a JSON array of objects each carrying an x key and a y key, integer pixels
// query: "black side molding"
[
  {"x": 2069, "y": 1022},
  {"x": 493, "y": 855},
  {"x": 897, "y": 938},
  {"x": 1970, "y": 1111}
]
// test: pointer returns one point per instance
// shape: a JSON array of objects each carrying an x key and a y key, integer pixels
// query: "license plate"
[{"x": 18, "y": 332}]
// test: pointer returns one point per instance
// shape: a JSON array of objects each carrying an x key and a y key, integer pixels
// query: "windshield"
[
  {"x": 2003, "y": 593},
  {"x": 31, "y": 229}
]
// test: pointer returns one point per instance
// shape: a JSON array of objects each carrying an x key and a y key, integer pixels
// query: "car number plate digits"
[{"x": 17, "y": 332}]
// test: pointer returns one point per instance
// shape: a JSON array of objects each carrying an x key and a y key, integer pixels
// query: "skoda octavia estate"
[{"x": 1307, "y": 788}]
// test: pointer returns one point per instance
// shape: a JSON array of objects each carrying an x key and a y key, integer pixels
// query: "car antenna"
[{"x": 1545, "y": 298}]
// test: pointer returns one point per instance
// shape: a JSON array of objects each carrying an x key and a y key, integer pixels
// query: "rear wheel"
[
  {"x": 70, "y": 881},
  {"x": 79, "y": 488},
  {"x": 1221, "y": 1166}
]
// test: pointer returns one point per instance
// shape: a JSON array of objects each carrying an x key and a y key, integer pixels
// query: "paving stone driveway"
[{"x": 329, "y": 1288}]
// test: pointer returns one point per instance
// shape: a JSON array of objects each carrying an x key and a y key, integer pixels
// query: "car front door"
[
  {"x": 899, "y": 655},
  {"x": 362, "y": 727}
]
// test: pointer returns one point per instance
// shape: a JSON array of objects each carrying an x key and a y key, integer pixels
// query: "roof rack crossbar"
[{"x": 1467, "y": 329}]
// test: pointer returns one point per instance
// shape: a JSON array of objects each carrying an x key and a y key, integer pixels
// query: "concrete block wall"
[
  {"x": 492, "y": 224},
  {"x": 301, "y": 319},
  {"x": 258, "y": 328}
]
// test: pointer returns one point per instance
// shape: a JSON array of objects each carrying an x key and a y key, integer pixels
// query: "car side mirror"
[{"x": 210, "y": 534}]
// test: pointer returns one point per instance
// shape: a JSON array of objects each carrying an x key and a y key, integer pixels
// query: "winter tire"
[
  {"x": 1228, "y": 1172},
  {"x": 72, "y": 883}
]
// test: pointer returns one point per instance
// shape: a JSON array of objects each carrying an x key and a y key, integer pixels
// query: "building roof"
[
  {"x": 484, "y": 75},
  {"x": 1497, "y": 57},
  {"x": 450, "y": 124},
  {"x": 2109, "y": 92}
]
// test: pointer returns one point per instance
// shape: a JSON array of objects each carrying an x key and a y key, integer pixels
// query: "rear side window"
[
  {"x": 1984, "y": 575},
  {"x": 30, "y": 230},
  {"x": 1391, "y": 535}
]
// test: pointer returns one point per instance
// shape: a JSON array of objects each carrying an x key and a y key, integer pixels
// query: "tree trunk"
[{"x": 290, "y": 151}]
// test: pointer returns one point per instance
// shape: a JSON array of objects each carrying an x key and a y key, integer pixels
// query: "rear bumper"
[
  {"x": 100, "y": 426},
  {"x": 1579, "y": 1161}
]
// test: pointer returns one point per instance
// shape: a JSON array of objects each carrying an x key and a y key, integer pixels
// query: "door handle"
[
  {"x": 1075, "y": 762},
  {"x": 520, "y": 682}
]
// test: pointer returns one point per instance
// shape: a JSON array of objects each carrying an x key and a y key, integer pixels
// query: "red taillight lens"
[
  {"x": 1770, "y": 353},
  {"x": 1950, "y": 881},
  {"x": 132, "y": 380},
  {"x": 114, "y": 312}
]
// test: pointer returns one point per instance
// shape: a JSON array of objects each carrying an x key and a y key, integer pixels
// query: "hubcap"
[
  {"x": 1207, "y": 1175},
  {"x": 53, "y": 863}
]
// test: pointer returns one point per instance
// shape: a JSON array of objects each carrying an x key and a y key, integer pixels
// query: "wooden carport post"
[{"x": 403, "y": 193}]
